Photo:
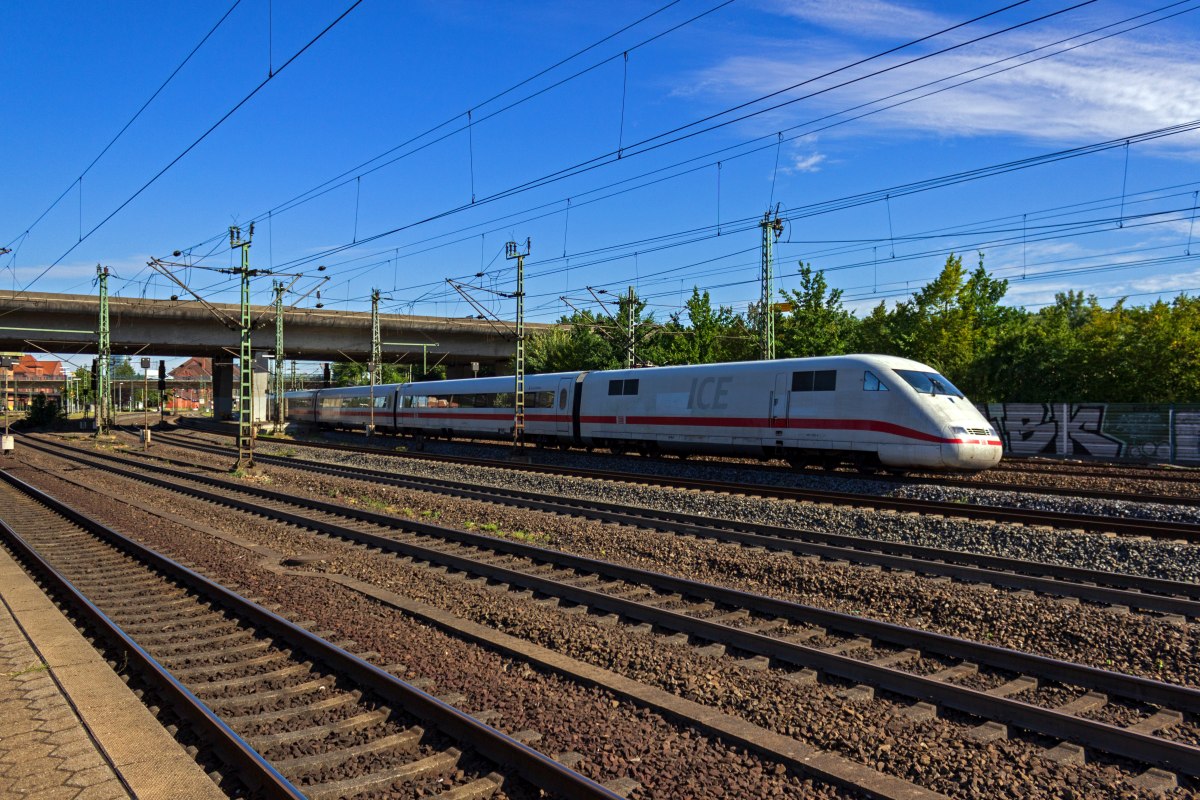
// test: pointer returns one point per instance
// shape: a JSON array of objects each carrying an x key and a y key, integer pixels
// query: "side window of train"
[
  {"x": 821, "y": 380},
  {"x": 625, "y": 387},
  {"x": 872, "y": 383},
  {"x": 562, "y": 399}
]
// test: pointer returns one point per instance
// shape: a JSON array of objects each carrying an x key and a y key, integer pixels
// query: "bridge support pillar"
[{"x": 222, "y": 387}]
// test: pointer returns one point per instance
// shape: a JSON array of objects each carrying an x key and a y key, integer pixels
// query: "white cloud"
[
  {"x": 1104, "y": 91},
  {"x": 805, "y": 163},
  {"x": 861, "y": 17}
]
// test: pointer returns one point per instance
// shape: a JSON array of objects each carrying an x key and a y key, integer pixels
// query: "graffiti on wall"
[{"x": 1098, "y": 430}]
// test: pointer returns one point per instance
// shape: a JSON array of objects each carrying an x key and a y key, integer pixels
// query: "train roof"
[{"x": 501, "y": 383}]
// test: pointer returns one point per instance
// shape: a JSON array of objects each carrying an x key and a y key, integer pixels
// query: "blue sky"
[{"x": 1115, "y": 222}]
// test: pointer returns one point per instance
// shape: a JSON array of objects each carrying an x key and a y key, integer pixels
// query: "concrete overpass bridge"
[{"x": 67, "y": 323}]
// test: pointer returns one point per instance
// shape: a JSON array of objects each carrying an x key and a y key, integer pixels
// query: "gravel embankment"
[
  {"x": 1155, "y": 558},
  {"x": 618, "y": 739}
]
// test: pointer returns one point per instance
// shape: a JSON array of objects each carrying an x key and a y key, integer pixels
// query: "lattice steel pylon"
[
  {"x": 104, "y": 409},
  {"x": 771, "y": 230},
  {"x": 511, "y": 252},
  {"x": 245, "y": 356},
  {"x": 277, "y": 377},
  {"x": 376, "y": 356}
]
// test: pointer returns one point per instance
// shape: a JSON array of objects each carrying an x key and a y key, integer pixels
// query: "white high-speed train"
[{"x": 868, "y": 410}]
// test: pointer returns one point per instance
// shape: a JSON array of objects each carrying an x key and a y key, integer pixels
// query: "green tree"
[
  {"x": 818, "y": 325},
  {"x": 43, "y": 411}
]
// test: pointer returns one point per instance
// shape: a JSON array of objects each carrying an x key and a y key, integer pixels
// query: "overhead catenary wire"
[
  {"x": 124, "y": 128},
  {"x": 598, "y": 161},
  {"x": 346, "y": 175},
  {"x": 194, "y": 144},
  {"x": 1033, "y": 50}
]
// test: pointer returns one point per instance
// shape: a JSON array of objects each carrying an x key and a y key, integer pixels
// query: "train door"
[
  {"x": 562, "y": 408},
  {"x": 780, "y": 397}
]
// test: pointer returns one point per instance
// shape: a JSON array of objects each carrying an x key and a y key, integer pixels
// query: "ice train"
[{"x": 870, "y": 411}]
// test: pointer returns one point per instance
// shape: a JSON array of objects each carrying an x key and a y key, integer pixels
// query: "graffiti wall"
[{"x": 1117, "y": 431}]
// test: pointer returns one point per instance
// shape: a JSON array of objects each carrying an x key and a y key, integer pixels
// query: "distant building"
[
  {"x": 194, "y": 398},
  {"x": 29, "y": 376}
]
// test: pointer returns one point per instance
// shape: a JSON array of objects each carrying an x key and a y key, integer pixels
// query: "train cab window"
[
  {"x": 929, "y": 382},
  {"x": 562, "y": 399},
  {"x": 871, "y": 383},
  {"x": 821, "y": 380}
]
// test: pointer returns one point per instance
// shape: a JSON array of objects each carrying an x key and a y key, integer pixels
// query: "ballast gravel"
[
  {"x": 1153, "y": 558},
  {"x": 932, "y": 752},
  {"x": 618, "y": 739}
]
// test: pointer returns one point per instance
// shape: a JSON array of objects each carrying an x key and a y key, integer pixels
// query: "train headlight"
[{"x": 959, "y": 430}]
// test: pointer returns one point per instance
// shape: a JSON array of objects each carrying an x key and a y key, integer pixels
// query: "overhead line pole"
[
  {"x": 376, "y": 355},
  {"x": 104, "y": 412},
  {"x": 245, "y": 367},
  {"x": 277, "y": 377},
  {"x": 511, "y": 252},
  {"x": 771, "y": 230},
  {"x": 630, "y": 349}
]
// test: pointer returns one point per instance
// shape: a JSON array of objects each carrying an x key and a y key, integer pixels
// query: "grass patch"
[{"x": 28, "y": 671}]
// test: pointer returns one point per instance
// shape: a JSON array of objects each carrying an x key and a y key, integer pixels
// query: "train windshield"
[{"x": 929, "y": 382}]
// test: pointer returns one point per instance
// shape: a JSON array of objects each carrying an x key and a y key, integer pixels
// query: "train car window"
[
  {"x": 822, "y": 380},
  {"x": 543, "y": 400},
  {"x": 503, "y": 400},
  {"x": 871, "y": 383},
  {"x": 631, "y": 386},
  {"x": 929, "y": 382},
  {"x": 615, "y": 388},
  {"x": 381, "y": 402},
  {"x": 562, "y": 399}
]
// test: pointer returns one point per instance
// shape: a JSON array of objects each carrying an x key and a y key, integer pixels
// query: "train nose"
[{"x": 971, "y": 448}]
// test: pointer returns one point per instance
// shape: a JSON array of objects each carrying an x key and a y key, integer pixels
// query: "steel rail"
[
  {"x": 252, "y": 769},
  {"x": 915, "y": 475},
  {"x": 1155, "y": 529},
  {"x": 539, "y": 769},
  {"x": 1123, "y": 742},
  {"x": 1114, "y": 589}
]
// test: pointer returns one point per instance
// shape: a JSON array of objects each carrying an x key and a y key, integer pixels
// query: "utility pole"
[
  {"x": 277, "y": 381},
  {"x": 104, "y": 410},
  {"x": 511, "y": 252},
  {"x": 376, "y": 355},
  {"x": 245, "y": 366},
  {"x": 630, "y": 354},
  {"x": 295, "y": 385},
  {"x": 771, "y": 230}
]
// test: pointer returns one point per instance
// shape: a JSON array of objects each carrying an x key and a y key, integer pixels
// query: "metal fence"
[{"x": 1111, "y": 431}]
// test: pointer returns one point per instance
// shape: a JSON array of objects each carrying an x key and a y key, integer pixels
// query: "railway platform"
[{"x": 69, "y": 727}]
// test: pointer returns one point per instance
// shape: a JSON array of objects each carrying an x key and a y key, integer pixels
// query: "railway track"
[
  {"x": 1130, "y": 526},
  {"x": 804, "y": 640},
  {"x": 1188, "y": 480},
  {"x": 292, "y": 714},
  {"x": 1112, "y": 589}
]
